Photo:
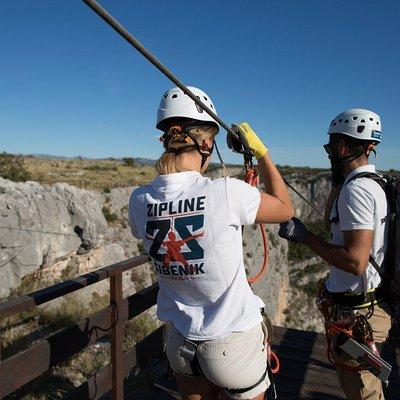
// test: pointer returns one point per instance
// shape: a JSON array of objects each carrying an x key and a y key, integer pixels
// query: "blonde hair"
[{"x": 177, "y": 142}]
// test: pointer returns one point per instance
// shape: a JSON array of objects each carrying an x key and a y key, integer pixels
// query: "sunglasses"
[{"x": 329, "y": 147}]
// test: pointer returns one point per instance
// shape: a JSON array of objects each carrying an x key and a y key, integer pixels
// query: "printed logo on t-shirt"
[{"x": 174, "y": 228}]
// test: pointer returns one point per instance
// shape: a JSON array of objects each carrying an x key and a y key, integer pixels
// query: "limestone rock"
[
  {"x": 56, "y": 233},
  {"x": 41, "y": 225}
]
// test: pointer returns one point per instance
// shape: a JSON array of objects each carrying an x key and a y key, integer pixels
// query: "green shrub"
[
  {"x": 141, "y": 248},
  {"x": 68, "y": 313},
  {"x": 12, "y": 168},
  {"x": 128, "y": 161},
  {"x": 101, "y": 167},
  {"x": 312, "y": 288},
  {"x": 137, "y": 329},
  {"x": 108, "y": 215}
]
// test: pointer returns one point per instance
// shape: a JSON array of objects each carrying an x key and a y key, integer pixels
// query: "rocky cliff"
[{"x": 50, "y": 233}]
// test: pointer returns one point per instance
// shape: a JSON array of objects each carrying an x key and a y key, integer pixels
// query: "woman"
[{"x": 191, "y": 228}]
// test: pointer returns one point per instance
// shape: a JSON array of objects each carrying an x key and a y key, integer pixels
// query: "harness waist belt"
[{"x": 354, "y": 299}]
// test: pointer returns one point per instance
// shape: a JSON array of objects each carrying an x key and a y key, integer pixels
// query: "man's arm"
[{"x": 352, "y": 257}]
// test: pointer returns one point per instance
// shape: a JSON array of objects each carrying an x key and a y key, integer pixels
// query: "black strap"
[
  {"x": 335, "y": 219},
  {"x": 353, "y": 300},
  {"x": 196, "y": 370},
  {"x": 376, "y": 176},
  {"x": 238, "y": 391},
  {"x": 376, "y": 266}
]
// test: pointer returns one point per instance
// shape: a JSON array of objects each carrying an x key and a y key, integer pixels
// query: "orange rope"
[
  {"x": 275, "y": 369},
  {"x": 252, "y": 178},
  {"x": 331, "y": 328}
]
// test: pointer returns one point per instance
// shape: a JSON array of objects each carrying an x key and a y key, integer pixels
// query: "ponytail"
[{"x": 177, "y": 142}]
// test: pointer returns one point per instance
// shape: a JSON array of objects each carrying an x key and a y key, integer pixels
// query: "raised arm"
[{"x": 275, "y": 205}]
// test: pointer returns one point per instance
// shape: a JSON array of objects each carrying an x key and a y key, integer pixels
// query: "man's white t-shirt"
[
  {"x": 361, "y": 205},
  {"x": 191, "y": 228}
]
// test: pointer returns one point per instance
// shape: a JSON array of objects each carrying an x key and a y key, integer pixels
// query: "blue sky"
[{"x": 69, "y": 85}]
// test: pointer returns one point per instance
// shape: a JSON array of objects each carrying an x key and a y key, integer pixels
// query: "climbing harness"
[
  {"x": 189, "y": 353},
  {"x": 350, "y": 340},
  {"x": 273, "y": 360}
]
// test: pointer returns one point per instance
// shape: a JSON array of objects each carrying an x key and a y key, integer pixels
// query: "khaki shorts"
[{"x": 237, "y": 361}]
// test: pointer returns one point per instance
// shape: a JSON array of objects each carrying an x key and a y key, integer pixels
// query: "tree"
[
  {"x": 129, "y": 161},
  {"x": 12, "y": 168}
]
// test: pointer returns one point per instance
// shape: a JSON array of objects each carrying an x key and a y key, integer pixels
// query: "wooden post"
[{"x": 116, "y": 336}]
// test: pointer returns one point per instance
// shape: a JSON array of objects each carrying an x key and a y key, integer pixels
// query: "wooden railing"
[{"x": 21, "y": 369}]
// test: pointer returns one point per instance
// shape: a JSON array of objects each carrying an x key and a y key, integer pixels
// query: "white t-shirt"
[
  {"x": 191, "y": 228},
  {"x": 361, "y": 205}
]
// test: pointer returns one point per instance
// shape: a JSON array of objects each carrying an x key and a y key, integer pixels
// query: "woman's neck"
[{"x": 188, "y": 162}]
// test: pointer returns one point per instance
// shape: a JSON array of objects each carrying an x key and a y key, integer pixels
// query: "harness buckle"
[{"x": 188, "y": 350}]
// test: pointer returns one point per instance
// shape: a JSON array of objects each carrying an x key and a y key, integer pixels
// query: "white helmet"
[
  {"x": 176, "y": 104},
  {"x": 358, "y": 123}
]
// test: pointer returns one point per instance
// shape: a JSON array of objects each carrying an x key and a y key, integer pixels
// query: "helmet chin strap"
[
  {"x": 204, "y": 150},
  {"x": 352, "y": 157},
  {"x": 182, "y": 134}
]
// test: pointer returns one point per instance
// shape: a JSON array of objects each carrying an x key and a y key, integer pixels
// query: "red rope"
[
  {"x": 275, "y": 360},
  {"x": 252, "y": 178}
]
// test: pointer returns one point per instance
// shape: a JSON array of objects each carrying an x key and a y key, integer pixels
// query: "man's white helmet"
[
  {"x": 176, "y": 104},
  {"x": 358, "y": 123}
]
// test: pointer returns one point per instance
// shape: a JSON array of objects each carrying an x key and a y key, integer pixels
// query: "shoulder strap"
[
  {"x": 376, "y": 176},
  {"x": 377, "y": 267}
]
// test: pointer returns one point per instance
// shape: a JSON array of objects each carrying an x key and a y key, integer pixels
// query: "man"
[{"x": 355, "y": 213}]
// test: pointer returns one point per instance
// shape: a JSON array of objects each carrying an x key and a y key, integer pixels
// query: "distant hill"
[
  {"x": 144, "y": 161},
  {"x": 53, "y": 157}
]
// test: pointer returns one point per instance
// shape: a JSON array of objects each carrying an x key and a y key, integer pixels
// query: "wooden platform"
[{"x": 305, "y": 372}]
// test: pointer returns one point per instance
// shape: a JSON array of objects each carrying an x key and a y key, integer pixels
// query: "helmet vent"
[
  {"x": 174, "y": 96},
  {"x": 360, "y": 128},
  {"x": 363, "y": 120},
  {"x": 334, "y": 124},
  {"x": 340, "y": 120},
  {"x": 205, "y": 98},
  {"x": 371, "y": 119},
  {"x": 346, "y": 121},
  {"x": 355, "y": 118},
  {"x": 377, "y": 122},
  {"x": 211, "y": 106}
]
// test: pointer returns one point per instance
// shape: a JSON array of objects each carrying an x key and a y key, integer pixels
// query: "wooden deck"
[{"x": 305, "y": 372}]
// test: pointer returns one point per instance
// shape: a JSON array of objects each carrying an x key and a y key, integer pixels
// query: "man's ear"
[
  {"x": 342, "y": 148},
  {"x": 371, "y": 148}
]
